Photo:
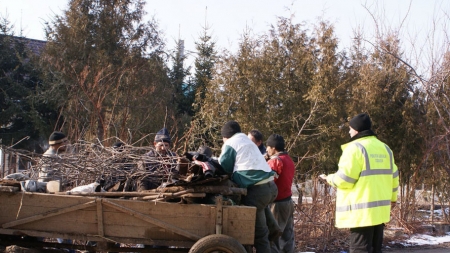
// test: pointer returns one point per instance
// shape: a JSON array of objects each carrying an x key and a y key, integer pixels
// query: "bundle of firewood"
[{"x": 131, "y": 173}]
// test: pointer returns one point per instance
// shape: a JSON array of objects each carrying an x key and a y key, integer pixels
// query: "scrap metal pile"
[{"x": 130, "y": 172}]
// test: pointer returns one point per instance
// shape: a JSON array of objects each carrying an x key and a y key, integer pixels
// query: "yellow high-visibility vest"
[{"x": 367, "y": 182}]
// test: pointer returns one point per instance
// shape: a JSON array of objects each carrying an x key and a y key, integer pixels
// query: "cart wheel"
[{"x": 217, "y": 243}]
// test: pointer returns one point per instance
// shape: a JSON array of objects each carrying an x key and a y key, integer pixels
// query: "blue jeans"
[{"x": 260, "y": 196}]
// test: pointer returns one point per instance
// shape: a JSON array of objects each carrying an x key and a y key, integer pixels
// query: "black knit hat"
[
  {"x": 205, "y": 150},
  {"x": 361, "y": 122},
  {"x": 276, "y": 141},
  {"x": 230, "y": 128},
  {"x": 56, "y": 138},
  {"x": 118, "y": 144},
  {"x": 162, "y": 136}
]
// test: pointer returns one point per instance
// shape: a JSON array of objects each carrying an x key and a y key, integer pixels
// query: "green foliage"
[
  {"x": 184, "y": 90},
  {"x": 295, "y": 83},
  {"x": 433, "y": 104},
  {"x": 282, "y": 82},
  {"x": 105, "y": 69},
  {"x": 204, "y": 65},
  {"x": 104, "y": 73},
  {"x": 384, "y": 88},
  {"x": 200, "y": 131},
  {"x": 22, "y": 113}
]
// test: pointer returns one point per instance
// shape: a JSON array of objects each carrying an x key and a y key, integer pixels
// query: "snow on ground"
[
  {"x": 416, "y": 240},
  {"x": 422, "y": 239}
]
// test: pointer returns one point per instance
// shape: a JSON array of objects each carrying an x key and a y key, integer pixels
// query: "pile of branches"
[
  {"x": 129, "y": 172},
  {"x": 84, "y": 163},
  {"x": 314, "y": 221}
]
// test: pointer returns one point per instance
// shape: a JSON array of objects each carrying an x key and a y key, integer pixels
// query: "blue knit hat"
[{"x": 162, "y": 136}]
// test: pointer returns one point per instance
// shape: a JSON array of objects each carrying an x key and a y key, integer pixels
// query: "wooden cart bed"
[{"x": 121, "y": 220}]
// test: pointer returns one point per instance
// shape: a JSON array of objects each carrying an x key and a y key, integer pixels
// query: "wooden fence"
[{"x": 12, "y": 162}]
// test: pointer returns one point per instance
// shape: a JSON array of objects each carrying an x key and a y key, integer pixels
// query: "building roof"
[{"x": 35, "y": 46}]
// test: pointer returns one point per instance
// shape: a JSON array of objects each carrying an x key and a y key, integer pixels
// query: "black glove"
[{"x": 196, "y": 156}]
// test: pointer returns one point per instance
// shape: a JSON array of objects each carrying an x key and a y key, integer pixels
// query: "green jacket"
[
  {"x": 367, "y": 182},
  {"x": 242, "y": 159}
]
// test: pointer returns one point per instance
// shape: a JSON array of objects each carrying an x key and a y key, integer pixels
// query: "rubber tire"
[{"x": 217, "y": 243}]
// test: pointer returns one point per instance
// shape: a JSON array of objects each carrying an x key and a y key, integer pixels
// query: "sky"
[{"x": 227, "y": 20}]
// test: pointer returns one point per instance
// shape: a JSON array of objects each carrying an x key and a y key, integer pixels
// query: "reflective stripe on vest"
[
  {"x": 364, "y": 173},
  {"x": 395, "y": 174},
  {"x": 368, "y": 171},
  {"x": 363, "y": 205}
]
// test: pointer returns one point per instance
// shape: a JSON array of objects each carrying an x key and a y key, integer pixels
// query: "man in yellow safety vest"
[{"x": 367, "y": 182}]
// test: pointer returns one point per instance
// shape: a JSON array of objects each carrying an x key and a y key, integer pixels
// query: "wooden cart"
[{"x": 105, "y": 222}]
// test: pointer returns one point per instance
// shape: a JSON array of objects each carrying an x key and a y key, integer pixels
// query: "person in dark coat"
[
  {"x": 160, "y": 161},
  {"x": 257, "y": 137},
  {"x": 165, "y": 159}
]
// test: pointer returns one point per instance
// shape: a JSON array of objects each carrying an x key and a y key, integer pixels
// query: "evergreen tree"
[
  {"x": 204, "y": 72},
  {"x": 22, "y": 113},
  {"x": 328, "y": 95},
  {"x": 106, "y": 70},
  {"x": 385, "y": 90},
  {"x": 183, "y": 90},
  {"x": 262, "y": 85},
  {"x": 204, "y": 65}
]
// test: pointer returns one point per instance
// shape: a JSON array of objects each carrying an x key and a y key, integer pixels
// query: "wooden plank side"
[
  {"x": 46, "y": 200},
  {"x": 33, "y": 209},
  {"x": 25, "y": 205},
  {"x": 239, "y": 222},
  {"x": 194, "y": 219},
  {"x": 71, "y": 220},
  {"x": 84, "y": 215},
  {"x": 149, "y": 218},
  {"x": 169, "y": 211},
  {"x": 60, "y": 226},
  {"x": 116, "y": 222},
  {"x": 86, "y": 237},
  {"x": 48, "y": 214},
  {"x": 133, "y": 220},
  {"x": 100, "y": 218},
  {"x": 163, "y": 208},
  {"x": 212, "y": 220},
  {"x": 143, "y": 232}
]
